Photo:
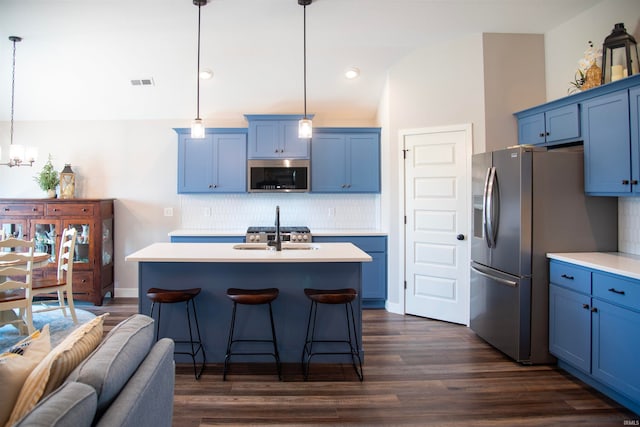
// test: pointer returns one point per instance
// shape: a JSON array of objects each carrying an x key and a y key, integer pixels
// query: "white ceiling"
[{"x": 78, "y": 56}]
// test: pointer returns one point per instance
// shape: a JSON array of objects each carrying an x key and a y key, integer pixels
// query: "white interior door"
[{"x": 437, "y": 209}]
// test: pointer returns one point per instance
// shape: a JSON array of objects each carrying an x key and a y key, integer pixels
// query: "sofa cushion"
[
  {"x": 147, "y": 398},
  {"x": 72, "y": 404},
  {"x": 16, "y": 365},
  {"x": 115, "y": 360},
  {"x": 55, "y": 367}
]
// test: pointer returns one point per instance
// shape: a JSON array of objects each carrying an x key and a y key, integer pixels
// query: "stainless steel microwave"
[{"x": 278, "y": 175}]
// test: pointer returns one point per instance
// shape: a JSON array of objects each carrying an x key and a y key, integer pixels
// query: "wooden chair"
[
  {"x": 16, "y": 275},
  {"x": 63, "y": 282}
]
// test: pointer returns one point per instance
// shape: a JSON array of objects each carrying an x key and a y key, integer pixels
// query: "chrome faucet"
[{"x": 278, "y": 242}]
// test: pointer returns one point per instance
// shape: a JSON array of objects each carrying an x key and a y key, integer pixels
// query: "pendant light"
[
  {"x": 305, "y": 126},
  {"x": 18, "y": 154},
  {"x": 197, "y": 126}
]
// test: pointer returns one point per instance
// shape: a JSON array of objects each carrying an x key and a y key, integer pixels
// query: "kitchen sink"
[{"x": 265, "y": 247}]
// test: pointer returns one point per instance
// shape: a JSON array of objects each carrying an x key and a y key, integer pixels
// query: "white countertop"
[
  {"x": 194, "y": 232},
  {"x": 224, "y": 252},
  {"x": 612, "y": 262}
]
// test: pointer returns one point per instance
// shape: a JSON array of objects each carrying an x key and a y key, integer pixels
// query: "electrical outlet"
[{"x": 168, "y": 211}]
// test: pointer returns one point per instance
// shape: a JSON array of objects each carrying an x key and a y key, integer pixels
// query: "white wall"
[{"x": 435, "y": 86}]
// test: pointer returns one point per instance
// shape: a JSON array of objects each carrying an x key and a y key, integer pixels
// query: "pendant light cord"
[
  {"x": 198, "y": 73},
  {"x": 304, "y": 50},
  {"x": 13, "y": 86}
]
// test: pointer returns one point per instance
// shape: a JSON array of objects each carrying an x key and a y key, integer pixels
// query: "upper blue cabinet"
[
  {"x": 214, "y": 164},
  {"x": 345, "y": 160},
  {"x": 555, "y": 126},
  {"x": 608, "y": 119},
  {"x": 275, "y": 137}
]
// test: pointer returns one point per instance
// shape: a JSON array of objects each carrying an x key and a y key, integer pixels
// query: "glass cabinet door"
[
  {"x": 84, "y": 240},
  {"x": 107, "y": 241},
  {"x": 15, "y": 228},
  {"x": 44, "y": 231}
]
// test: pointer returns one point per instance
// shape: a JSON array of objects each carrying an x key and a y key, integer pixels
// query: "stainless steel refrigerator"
[{"x": 528, "y": 202}]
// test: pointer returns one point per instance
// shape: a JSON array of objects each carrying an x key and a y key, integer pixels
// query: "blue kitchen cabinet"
[
  {"x": 606, "y": 131},
  {"x": 634, "y": 117},
  {"x": 276, "y": 137},
  {"x": 214, "y": 164},
  {"x": 594, "y": 319},
  {"x": 345, "y": 160},
  {"x": 374, "y": 273},
  {"x": 554, "y": 126}
]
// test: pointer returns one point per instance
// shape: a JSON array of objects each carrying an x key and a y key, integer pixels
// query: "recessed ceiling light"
[
  {"x": 352, "y": 73},
  {"x": 206, "y": 74}
]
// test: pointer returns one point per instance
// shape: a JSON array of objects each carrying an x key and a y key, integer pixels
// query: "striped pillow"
[{"x": 57, "y": 365}]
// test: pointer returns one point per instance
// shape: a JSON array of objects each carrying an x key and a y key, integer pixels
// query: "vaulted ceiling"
[{"x": 78, "y": 57}]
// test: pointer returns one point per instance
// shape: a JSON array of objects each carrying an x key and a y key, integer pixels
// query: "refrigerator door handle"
[
  {"x": 492, "y": 208},
  {"x": 485, "y": 207},
  {"x": 504, "y": 281}
]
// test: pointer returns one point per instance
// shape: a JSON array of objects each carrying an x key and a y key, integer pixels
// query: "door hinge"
[
  {"x": 405, "y": 284},
  {"x": 405, "y": 220},
  {"x": 404, "y": 153}
]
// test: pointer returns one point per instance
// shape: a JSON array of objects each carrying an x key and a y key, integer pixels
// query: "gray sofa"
[{"x": 128, "y": 380}]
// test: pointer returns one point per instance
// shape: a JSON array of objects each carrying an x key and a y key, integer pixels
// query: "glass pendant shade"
[
  {"x": 67, "y": 182},
  {"x": 619, "y": 55},
  {"x": 305, "y": 128},
  {"x": 16, "y": 153},
  {"x": 197, "y": 129},
  {"x": 31, "y": 154}
]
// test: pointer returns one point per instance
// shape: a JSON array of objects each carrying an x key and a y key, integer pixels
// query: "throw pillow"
[
  {"x": 57, "y": 365},
  {"x": 16, "y": 365}
]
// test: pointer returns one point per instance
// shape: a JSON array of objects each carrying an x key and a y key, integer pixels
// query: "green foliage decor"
[{"x": 48, "y": 178}]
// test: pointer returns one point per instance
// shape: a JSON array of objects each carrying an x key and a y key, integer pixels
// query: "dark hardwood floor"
[{"x": 417, "y": 371}]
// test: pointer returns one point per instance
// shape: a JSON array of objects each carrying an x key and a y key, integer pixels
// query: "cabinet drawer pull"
[
  {"x": 615, "y": 291},
  {"x": 594, "y": 310},
  {"x": 585, "y": 306},
  {"x": 566, "y": 276}
]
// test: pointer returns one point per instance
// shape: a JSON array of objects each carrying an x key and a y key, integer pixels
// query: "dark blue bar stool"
[
  {"x": 331, "y": 296},
  {"x": 172, "y": 296},
  {"x": 251, "y": 297}
]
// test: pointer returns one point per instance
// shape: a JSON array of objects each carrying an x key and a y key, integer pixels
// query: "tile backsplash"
[
  {"x": 629, "y": 225},
  {"x": 236, "y": 212}
]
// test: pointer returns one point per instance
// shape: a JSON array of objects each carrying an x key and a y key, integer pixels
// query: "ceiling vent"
[{"x": 142, "y": 82}]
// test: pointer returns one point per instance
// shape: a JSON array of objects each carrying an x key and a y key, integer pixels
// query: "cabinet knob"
[
  {"x": 585, "y": 306},
  {"x": 625, "y": 182},
  {"x": 6, "y": 209},
  {"x": 460, "y": 237},
  {"x": 634, "y": 182},
  {"x": 547, "y": 134},
  {"x": 594, "y": 310},
  {"x": 541, "y": 135}
]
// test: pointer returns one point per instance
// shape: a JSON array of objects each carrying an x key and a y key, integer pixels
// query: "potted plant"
[{"x": 48, "y": 178}]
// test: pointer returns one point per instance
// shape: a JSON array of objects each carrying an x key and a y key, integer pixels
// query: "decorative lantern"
[
  {"x": 619, "y": 55},
  {"x": 67, "y": 182}
]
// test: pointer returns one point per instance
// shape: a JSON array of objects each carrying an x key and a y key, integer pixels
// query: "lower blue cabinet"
[
  {"x": 594, "y": 319},
  {"x": 374, "y": 273}
]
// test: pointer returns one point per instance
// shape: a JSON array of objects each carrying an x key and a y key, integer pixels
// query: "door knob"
[{"x": 460, "y": 237}]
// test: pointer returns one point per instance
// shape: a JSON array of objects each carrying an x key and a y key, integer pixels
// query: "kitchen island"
[{"x": 214, "y": 267}]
